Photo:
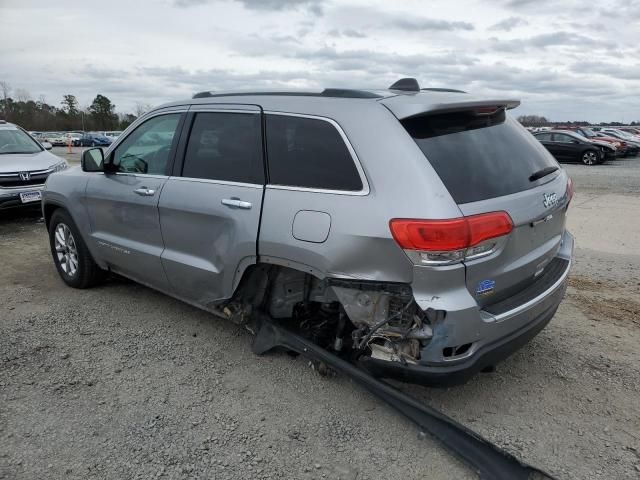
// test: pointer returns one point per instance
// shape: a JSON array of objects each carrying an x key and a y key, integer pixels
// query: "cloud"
[
  {"x": 556, "y": 39},
  {"x": 563, "y": 64},
  {"x": 348, "y": 32},
  {"x": 524, "y": 3},
  {"x": 315, "y": 6},
  {"x": 622, "y": 72},
  {"x": 416, "y": 24},
  {"x": 509, "y": 24}
]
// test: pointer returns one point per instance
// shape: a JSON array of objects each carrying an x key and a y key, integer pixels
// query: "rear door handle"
[
  {"x": 236, "y": 202},
  {"x": 145, "y": 192}
]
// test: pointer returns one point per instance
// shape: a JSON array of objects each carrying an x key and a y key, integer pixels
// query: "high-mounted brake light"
[
  {"x": 451, "y": 240},
  {"x": 489, "y": 110}
]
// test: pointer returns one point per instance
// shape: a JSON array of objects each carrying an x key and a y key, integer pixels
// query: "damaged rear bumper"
[
  {"x": 458, "y": 373},
  {"x": 486, "y": 336}
]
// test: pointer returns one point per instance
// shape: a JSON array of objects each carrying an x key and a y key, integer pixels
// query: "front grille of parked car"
[
  {"x": 552, "y": 273},
  {"x": 13, "y": 180}
]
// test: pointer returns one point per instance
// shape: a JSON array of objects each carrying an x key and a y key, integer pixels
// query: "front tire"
[
  {"x": 590, "y": 157},
  {"x": 70, "y": 254}
]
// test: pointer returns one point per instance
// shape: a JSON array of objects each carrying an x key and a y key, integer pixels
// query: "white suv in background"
[{"x": 24, "y": 167}]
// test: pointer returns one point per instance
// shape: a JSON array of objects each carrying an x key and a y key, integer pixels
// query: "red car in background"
[{"x": 631, "y": 130}]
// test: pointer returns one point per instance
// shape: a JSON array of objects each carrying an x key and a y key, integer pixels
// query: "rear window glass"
[
  {"x": 544, "y": 137},
  {"x": 479, "y": 156},
  {"x": 309, "y": 153}
]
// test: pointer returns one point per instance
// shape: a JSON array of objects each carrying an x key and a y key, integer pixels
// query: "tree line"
[{"x": 37, "y": 115}]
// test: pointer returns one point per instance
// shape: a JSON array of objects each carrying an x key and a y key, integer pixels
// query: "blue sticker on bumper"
[{"x": 485, "y": 287}]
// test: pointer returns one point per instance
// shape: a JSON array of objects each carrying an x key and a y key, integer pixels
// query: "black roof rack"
[
  {"x": 327, "y": 92},
  {"x": 435, "y": 89}
]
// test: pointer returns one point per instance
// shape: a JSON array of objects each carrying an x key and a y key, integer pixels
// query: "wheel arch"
[
  {"x": 48, "y": 209},
  {"x": 51, "y": 206}
]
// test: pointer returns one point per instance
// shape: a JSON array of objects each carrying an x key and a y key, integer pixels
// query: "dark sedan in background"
[{"x": 567, "y": 146}]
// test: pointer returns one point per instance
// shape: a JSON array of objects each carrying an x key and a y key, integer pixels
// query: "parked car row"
[
  {"x": 78, "y": 139},
  {"x": 589, "y": 145}
]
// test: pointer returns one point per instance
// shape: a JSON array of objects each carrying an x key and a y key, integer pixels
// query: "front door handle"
[
  {"x": 145, "y": 192},
  {"x": 236, "y": 202}
]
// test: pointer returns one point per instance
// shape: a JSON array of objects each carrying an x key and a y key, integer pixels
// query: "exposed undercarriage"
[{"x": 347, "y": 316}]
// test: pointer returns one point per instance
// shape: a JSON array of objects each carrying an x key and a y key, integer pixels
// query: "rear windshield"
[{"x": 479, "y": 156}]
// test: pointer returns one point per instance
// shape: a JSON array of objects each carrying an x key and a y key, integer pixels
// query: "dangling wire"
[{"x": 381, "y": 323}]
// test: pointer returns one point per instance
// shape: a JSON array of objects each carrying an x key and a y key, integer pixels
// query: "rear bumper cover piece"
[{"x": 486, "y": 459}]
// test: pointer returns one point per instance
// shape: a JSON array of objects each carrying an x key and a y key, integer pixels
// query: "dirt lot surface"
[{"x": 123, "y": 382}]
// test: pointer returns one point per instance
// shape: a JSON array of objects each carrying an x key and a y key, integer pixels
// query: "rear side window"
[
  {"x": 544, "y": 137},
  {"x": 225, "y": 146},
  {"x": 562, "y": 138},
  {"x": 479, "y": 156},
  {"x": 309, "y": 153}
]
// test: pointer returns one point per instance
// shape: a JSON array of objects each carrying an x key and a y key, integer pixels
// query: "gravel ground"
[{"x": 123, "y": 382}]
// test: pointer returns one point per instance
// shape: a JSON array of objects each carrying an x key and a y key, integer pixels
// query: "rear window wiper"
[{"x": 542, "y": 173}]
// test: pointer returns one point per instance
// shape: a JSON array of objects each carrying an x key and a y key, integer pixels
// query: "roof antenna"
[{"x": 406, "y": 85}]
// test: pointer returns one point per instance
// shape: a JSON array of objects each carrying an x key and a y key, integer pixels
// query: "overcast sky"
[{"x": 564, "y": 59}]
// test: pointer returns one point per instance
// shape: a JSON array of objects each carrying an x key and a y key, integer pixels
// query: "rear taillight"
[
  {"x": 569, "y": 192},
  {"x": 452, "y": 240}
]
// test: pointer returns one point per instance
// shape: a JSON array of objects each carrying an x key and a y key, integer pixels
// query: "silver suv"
[
  {"x": 419, "y": 233},
  {"x": 24, "y": 167}
]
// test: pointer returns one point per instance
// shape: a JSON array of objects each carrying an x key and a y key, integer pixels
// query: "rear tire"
[
  {"x": 70, "y": 254},
  {"x": 590, "y": 157}
]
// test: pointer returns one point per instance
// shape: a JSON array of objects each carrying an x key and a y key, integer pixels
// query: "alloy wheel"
[
  {"x": 66, "y": 249},
  {"x": 589, "y": 158}
]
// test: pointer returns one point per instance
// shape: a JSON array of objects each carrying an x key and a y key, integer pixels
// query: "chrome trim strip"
[
  {"x": 131, "y": 174},
  {"x": 217, "y": 182},
  {"x": 31, "y": 172},
  {"x": 215, "y": 108},
  {"x": 363, "y": 178},
  {"x": 22, "y": 187},
  {"x": 533, "y": 302}
]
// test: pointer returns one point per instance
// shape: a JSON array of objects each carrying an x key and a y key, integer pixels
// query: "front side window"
[
  {"x": 226, "y": 147},
  {"x": 14, "y": 140},
  {"x": 309, "y": 153},
  {"x": 147, "y": 148}
]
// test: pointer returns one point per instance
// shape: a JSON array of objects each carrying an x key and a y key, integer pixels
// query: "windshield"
[
  {"x": 577, "y": 135},
  {"x": 588, "y": 133},
  {"x": 14, "y": 140},
  {"x": 625, "y": 134}
]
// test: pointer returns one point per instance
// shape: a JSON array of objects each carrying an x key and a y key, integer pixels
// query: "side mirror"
[
  {"x": 92, "y": 160},
  {"x": 575, "y": 141},
  {"x": 47, "y": 145}
]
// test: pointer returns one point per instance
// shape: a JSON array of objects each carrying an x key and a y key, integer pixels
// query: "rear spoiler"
[{"x": 407, "y": 106}]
